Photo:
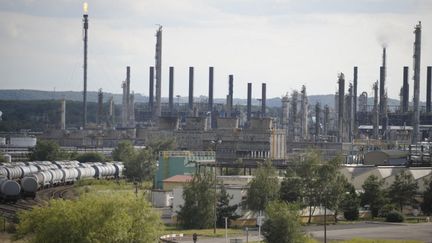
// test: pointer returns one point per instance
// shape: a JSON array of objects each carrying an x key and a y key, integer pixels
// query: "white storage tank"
[
  {"x": 2, "y": 141},
  {"x": 22, "y": 141}
]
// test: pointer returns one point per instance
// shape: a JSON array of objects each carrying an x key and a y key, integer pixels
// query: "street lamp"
[{"x": 215, "y": 143}]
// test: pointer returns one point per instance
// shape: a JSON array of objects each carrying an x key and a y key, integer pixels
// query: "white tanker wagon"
[{"x": 32, "y": 176}]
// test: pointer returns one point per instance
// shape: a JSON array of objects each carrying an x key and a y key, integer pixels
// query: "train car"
[
  {"x": 29, "y": 186},
  {"x": 70, "y": 175},
  {"x": 13, "y": 172},
  {"x": 86, "y": 173},
  {"x": 10, "y": 190}
]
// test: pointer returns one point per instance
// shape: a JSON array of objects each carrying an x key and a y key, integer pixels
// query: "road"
[
  {"x": 369, "y": 230},
  {"x": 421, "y": 231}
]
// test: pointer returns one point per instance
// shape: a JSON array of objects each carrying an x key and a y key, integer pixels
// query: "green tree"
[
  {"x": 2, "y": 158},
  {"x": 426, "y": 205},
  {"x": 91, "y": 157},
  {"x": 282, "y": 224},
  {"x": 350, "y": 203},
  {"x": 403, "y": 190},
  {"x": 102, "y": 217},
  {"x": 124, "y": 151},
  {"x": 197, "y": 212},
  {"x": 141, "y": 166},
  {"x": 223, "y": 209},
  {"x": 48, "y": 150},
  {"x": 291, "y": 190},
  {"x": 373, "y": 194},
  {"x": 263, "y": 188}
]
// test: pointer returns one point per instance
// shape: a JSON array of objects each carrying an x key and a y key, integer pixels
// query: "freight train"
[{"x": 24, "y": 179}]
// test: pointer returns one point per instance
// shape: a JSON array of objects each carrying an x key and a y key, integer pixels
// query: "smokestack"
[
  {"x": 124, "y": 105},
  {"x": 191, "y": 81},
  {"x": 317, "y": 120},
  {"x": 428, "y": 89},
  {"x": 350, "y": 114},
  {"x": 158, "y": 60},
  {"x": 375, "y": 120},
  {"x": 85, "y": 39},
  {"x": 230, "y": 94},
  {"x": 111, "y": 111},
  {"x": 381, "y": 90},
  {"x": 210, "y": 96},
  {"x": 131, "y": 110},
  {"x": 405, "y": 92},
  {"x": 171, "y": 91},
  {"x": 417, "y": 55},
  {"x": 151, "y": 90},
  {"x": 63, "y": 114},
  {"x": 355, "y": 99},
  {"x": 341, "y": 106},
  {"x": 100, "y": 107},
  {"x": 263, "y": 100},
  {"x": 304, "y": 114},
  {"x": 127, "y": 87},
  {"x": 326, "y": 119},
  {"x": 249, "y": 101}
]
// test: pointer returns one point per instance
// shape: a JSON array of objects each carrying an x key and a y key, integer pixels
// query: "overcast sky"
[{"x": 285, "y": 43}]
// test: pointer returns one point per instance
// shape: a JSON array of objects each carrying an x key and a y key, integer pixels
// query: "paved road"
[
  {"x": 252, "y": 237},
  {"x": 422, "y": 231},
  {"x": 371, "y": 230}
]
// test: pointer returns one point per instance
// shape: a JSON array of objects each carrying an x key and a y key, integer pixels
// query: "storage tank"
[
  {"x": 2, "y": 141},
  {"x": 29, "y": 184},
  {"x": 22, "y": 141},
  {"x": 9, "y": 189}
]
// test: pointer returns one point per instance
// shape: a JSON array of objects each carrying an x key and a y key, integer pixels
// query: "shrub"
[
  {"x": 352, "y": 214},
  {"x": 394, "y": 216}
]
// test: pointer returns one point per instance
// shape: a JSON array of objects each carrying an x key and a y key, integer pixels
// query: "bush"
[
  {"x": 394, "y": 216},
  {"x": 352, "y": 214}
]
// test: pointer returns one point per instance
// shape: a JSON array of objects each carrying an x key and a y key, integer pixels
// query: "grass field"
[{"x": 360, "y": 240}]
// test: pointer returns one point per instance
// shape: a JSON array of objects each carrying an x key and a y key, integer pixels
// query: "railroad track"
[{"x": 9, "y": 211}]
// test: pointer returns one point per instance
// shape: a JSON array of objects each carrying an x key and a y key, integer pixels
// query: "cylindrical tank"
[
  {"x": 22, "y": 141},
  {"x": 9, "y": 188},
  {"x": 3, "y": 172},
  {"x": 29, "y": 184},
  {"x": 13, "y": 172},
  {"x": 2, "y": 141},
  {"x": 46, "y": 178}
]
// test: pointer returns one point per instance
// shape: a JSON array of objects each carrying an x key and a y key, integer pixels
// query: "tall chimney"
[
  {"x": 111, "y": 112},
  {"x": 249, "y": 101},
  {"x": 191, "y": 81},
  {"x": 428, "y": 89},
  {"x": 63, "y": 114},
  {"x": 263, "y": 100},
  {"x": 158, "y": 59},
  {"x": 127, "y": 88},
  {"x": 171, "y": 91},
  {"x": 210, "y": 95},
  {"x": 85, "y": 21},
  {"x": 405, "y": 90},
  {"x": 417, "y": 55},
  {"x": 350, "y": 114},
  {"x": 230, "y": 95},
  {"x": 124, "y": 112},
  {"x": 375, "y": 120},
  {"x": 317, "y": 120},
  {"x": 151, "y": 90},
  {"x": 100, "y": 108},
  {"x": 131, "y": 110},
  {"x": 341, "y": 106},
  {"x": 326, "y": 119},
  {"x": 355, "y": 122}
]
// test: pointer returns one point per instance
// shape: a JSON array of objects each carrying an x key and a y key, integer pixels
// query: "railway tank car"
[{"x": 9, "y": 190}]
